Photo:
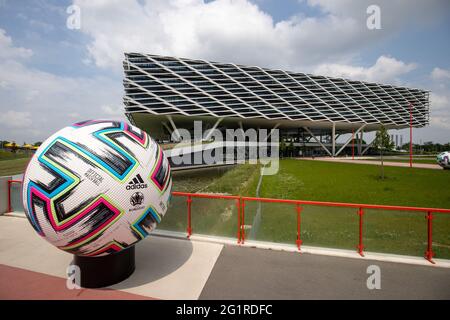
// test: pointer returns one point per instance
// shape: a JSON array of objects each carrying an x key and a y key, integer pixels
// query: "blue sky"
[{"x": 51, "y": 76}]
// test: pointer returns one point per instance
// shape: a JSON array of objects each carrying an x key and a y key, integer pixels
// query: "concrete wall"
[{"x": 4, "y": 194}]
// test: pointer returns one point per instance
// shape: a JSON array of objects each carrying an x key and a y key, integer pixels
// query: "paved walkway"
[
  {"x": 165, "y": 268},
  {"x": 21, "y": 284},
  {"x": 168, "y": 268},
  {"x": 375, "y": 162}
]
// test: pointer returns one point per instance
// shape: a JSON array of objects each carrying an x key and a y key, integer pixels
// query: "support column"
[
  {"x": 333, "y": 140},
  {"x": 213, "y": 128},
  {"x": 271, "y": 131},
  {"x": 318, "y": 141},
  {"x": 350, "y": 139},
  {"x": 368, "y": 147},
  {"x": 410, "y": 136},
  {"x": 360, "y": 141},
  {"x": 175, "y": 130}
]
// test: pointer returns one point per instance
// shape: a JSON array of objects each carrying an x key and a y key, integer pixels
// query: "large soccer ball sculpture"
[
  {"x": 443, "y": 159},
  {"x": 97, "y": 187}
]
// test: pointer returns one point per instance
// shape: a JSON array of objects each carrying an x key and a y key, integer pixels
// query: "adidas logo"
[{"x": 136, "y": 183}]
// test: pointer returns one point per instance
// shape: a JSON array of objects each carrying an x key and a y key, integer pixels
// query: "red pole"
[
  {"x": 189, "y": 227},
  {"x": 410, "y": 135},
  {"x": 353, "y": 144},
  {"x": 360, "y": 245},
  {"x": 9, "y": 196},
  {"x": 238, "y": 206},
  {"x": 299, "y": 240},
  {"x": 429, "y": 253}
]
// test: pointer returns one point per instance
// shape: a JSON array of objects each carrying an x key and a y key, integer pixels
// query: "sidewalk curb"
[{"x": 369, "y": 256}]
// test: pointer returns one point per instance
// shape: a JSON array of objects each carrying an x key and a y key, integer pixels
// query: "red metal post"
[
  {"x": 410, "y": 135},
  {"x": 299, "y": 240},
  {"x": 360, "y": 245},
  {"x": 243, "y": 221},
  {"x": 353, "y": 144},
  {"x": 9, "y": 196},
  {"x": 429, "y": 253},
  {"x": 189, "y": 226},
  {"x": 238, "y": 206}
]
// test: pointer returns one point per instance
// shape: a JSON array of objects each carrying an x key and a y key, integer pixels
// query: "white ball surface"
[{"x": 97, "y": 187}]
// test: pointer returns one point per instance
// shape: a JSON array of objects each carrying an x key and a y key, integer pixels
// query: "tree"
[
  {"x": 282, "y": 148},
  {"x": 14, "y": 147},
  {"x": 290, "y": 149},
  {"x": 383, "y": 142}
]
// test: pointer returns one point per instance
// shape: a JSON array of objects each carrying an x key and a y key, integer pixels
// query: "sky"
[{"x": 52, "y": 74}]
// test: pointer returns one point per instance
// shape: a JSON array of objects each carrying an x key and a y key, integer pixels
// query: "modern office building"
[{"x": 165, "y": 93}]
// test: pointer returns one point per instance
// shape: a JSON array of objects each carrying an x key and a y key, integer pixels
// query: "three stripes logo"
[{"x": 136, "y": 183}]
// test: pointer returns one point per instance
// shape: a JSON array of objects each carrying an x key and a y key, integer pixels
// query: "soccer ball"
[
  {"x": 97, "y": 187},
  {"x": 443, "y": 159}
]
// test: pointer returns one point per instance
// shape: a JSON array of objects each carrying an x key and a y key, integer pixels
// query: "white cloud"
[
  {"x": 36, "y": 103},
  {"x": 51, "y": 101},
  {"x": 440, "y": 99},
  {"x": 223, "y": 30},
  {"x": 385, "y": 69},
  {"x": 112, "y": 111},
  {"x": 8, "y": 51},
  {"x": 394, "y": 14},
  {"x": 440, "y": 102},
  {"x": 239, "y": 31},
  {"x": 440, "y": 74},
  {"x": 16, "y": 119}
]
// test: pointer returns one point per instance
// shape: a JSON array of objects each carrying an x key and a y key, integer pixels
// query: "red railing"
[{"x": 241, "y": 201}]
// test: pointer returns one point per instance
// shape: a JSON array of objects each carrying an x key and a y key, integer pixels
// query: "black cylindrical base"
[{"x": 97, "y": 272}]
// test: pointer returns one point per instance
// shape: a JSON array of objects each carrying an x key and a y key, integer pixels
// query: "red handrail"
[
  {"x": 240, "y": 205},
  {"x": 348, "y": 205}
]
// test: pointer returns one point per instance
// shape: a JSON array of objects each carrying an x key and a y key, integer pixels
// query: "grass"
[
  {"x": 384, "y": 231},
  {"x": 346, "y": 182},
  {"x": 212, "y": 216},
  {"x": 7, "y": 155},
  {"x": 12, "y": 167},
  {"x": 427, "y": 160},
  {"x": 392, "y": 232}
]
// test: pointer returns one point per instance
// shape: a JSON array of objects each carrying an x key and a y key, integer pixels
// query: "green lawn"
[
  {"x": 384, "y": 231},
  {"x": 346, "y": 182},
  {"x": 211, "y": 216},
  {"x": 428, "y": 160},
  {"x": 12, "y": 167},
  {"x": 8, "y": 155}
]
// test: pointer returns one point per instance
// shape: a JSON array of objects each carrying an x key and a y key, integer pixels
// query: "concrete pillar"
[
  {"x": 333, "y": 139},
  {"x": 360, "y": 142},
  {"x": 4, "y": 194}
]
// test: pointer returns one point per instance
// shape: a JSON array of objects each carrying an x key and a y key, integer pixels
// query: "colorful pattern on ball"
[{"x": 97, "y": 187}]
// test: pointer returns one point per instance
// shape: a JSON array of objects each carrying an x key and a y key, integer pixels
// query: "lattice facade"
[{"x": 162, "y": 85}]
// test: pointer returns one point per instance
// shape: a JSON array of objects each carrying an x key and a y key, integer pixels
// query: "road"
[{"x": 250, "y": 273}]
